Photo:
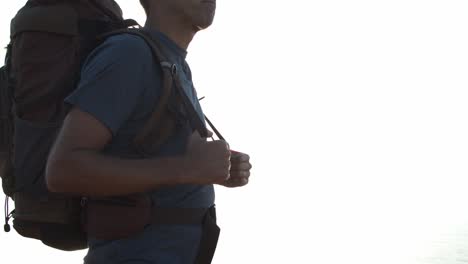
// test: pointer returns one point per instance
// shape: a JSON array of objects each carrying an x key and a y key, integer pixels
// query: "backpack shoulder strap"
[{"x": 159, "y": 116}]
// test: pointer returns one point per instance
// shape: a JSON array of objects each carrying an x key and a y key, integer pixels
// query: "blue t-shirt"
[{"x": 120, "y": 84}]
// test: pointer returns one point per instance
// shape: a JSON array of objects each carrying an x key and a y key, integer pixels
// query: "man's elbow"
[{"x": 56, "y": 177}]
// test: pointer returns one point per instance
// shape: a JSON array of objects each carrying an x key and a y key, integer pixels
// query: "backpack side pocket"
[
  {"x": 33, "y": 141},
  {"x": 6, "y": 126},
  {"x": 6, "y": 133}
]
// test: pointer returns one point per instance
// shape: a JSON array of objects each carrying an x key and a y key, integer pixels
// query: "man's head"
[{"x": 197, "y": 13}]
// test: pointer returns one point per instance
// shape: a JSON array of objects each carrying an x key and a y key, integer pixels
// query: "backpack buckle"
[{"x": 171, "y": 66}]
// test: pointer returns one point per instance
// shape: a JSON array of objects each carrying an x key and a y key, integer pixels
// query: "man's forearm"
[{"x": 88, "y": 173}]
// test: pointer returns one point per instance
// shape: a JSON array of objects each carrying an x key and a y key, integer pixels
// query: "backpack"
[{"x": 50, "y": 40}]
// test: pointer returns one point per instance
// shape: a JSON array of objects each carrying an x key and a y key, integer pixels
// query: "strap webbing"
[
  {"x": 160, "y": 111},
  {"x": 195, "y": 120},
  {"x": 169, "y": 79},
  {"x": 178, "y": 216},
  {"x": 214, "y": 129}
]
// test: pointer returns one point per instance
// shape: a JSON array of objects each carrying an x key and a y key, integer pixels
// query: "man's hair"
[{"x": 145, "y": 4}]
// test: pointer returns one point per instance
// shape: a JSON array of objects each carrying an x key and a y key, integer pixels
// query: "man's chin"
[
  {"x": 204, "y": 24},
  {"x": 199, "y": 28}
]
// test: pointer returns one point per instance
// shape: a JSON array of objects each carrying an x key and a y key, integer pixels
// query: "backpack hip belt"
[{"x": 120, "y": 218}]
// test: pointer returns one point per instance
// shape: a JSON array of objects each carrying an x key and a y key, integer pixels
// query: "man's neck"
[{"x": 182, "y": 34}]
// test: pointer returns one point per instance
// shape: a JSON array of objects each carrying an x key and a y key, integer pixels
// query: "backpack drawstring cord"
[{"x": 8, "y": 215}]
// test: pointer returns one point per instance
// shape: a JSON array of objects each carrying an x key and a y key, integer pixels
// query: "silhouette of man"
[{"x": 120, "y": 82}]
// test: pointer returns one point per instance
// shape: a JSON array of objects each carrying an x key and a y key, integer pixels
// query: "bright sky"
[{"x": 355, "y": 115}]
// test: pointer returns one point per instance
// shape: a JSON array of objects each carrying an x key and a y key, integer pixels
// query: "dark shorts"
[{"x": 156, "y": 245}]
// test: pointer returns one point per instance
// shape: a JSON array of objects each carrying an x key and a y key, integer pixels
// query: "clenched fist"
[
  {"x": 209, "y": 162},
  {"x": 240, "y": 170}
]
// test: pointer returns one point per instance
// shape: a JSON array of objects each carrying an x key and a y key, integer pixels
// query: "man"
[{"x": 119, "y": 84}]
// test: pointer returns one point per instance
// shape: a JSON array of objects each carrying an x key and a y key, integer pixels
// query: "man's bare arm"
[{"x": 76, "y": 164}]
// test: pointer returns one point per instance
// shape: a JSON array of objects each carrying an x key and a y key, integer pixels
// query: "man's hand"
[
  {"x": 240, "y": 170},
  {"x": 208, "y": 162}
]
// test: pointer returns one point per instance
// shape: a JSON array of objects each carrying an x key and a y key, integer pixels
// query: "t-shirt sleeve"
[{"x": 111, "y": 83}]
